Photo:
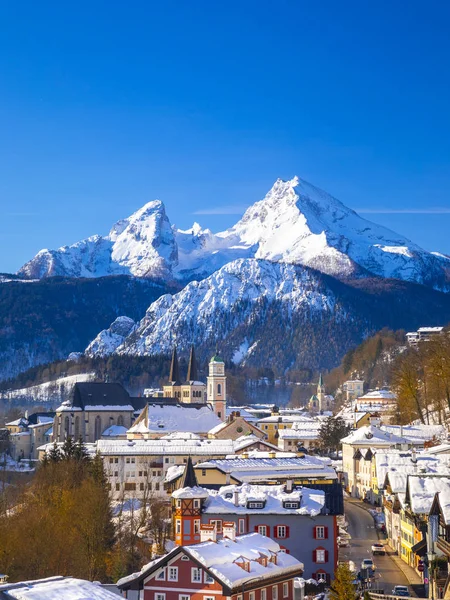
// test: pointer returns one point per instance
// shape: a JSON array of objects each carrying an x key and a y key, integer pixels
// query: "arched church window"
[
  {"x": 219, "y": 388},
  {"x": 98, "y": 428},
  {"x": 66, "y": 427},
  {"x": 120, "y": 420},
  {"x": 77, "y": 428}
]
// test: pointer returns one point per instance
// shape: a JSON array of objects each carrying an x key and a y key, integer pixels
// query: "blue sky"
[{"x": 106, "y": 105}]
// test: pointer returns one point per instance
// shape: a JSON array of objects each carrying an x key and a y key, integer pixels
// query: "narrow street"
[{"x": 362, "y": 529}]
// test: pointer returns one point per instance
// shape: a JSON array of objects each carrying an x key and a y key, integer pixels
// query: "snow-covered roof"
[
  {"x": 41, "y": 421},
  {"x": 114, "y": 431},
  {"x": 218, "y": 428},
  {"x": 221, "y": 559},
  {"x": 439, "y": 449},
  {"x": 248, "y": 440},
  {"x": 300, "y": 433},
  {"x": 181, "y": 435},
  {"x": 56, "y": 588},
  {"x": 417, "y": 433},
  {"x": 311, "y": 502},
  {"x": 190, "y": 492},
  {"x": 175, "y": 417},
  {"x": 404, "y": 462},
  {"x": 284, "y": 419},
  {"x": 244, "y": 412},
  {"x": 372, "y": 436},
  {"x": 421, "y": 491},
  {"x": 378, "y": 394},
  {"x": 174, "y": 472},
  {"x": 163, "y": 446},
  {"x": 21, "y": 422},
  {"x": 252, "y": 469}
]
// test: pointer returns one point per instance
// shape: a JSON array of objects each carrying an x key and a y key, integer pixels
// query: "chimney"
[
  {"x": 289, "y": 486},
  {"x": 229, "y": 530},
  {"x": 208, "y": 533},
  {"x": 227, "y": 478},
  {"x": 236, "y": 497}
]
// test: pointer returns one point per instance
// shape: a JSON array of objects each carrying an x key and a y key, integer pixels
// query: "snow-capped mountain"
[
  {"x": 108, "y": 340},
  {"x": 260, "y": 312},
  {"x": 295, "y": 223},
  {"x": 143, "y": 245}
]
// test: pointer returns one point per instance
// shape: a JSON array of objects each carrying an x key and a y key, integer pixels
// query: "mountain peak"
[{"x": 294, "y": 223}]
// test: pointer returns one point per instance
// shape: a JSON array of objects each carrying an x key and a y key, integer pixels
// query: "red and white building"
[{"x": 246, "y": 567}]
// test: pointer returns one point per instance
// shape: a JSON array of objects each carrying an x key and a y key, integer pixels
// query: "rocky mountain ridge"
[{"x": 296, "y": 223}]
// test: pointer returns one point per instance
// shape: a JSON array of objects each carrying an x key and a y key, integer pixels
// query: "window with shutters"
[
  {"x": 320, "y": 532},
  {"x": 281, "y": 531},
  {"x": 261, "y": 529},
  {"x": 320, "y": 555}
]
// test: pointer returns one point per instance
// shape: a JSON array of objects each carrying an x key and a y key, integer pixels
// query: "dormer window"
[
  {"x": 254, "y": 504},
  {"x": 291, "y": 504}
]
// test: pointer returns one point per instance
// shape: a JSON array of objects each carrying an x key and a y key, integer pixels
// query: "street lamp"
[{"x": 431, "y": 558}]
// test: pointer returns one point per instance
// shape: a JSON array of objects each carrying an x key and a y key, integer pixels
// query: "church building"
[{"x": 320, "y": 401}]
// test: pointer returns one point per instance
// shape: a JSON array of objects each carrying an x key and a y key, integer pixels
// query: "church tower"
[
  {"x": 321, "y": 394},
  {"x": 173, "y": 389},
  {"x": 193, "y": 390},
  {"x": 216, "y": 387},
  {"x": 187, "y": 504}
]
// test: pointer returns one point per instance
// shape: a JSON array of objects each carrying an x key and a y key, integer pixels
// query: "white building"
[{"x": 358, "y": 449}]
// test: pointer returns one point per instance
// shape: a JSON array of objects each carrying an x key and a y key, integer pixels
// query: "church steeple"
[
  {"x": 192, "y": 374},
  {"x": 189, "y": 478},
  {"x": 174, "y": 375}
]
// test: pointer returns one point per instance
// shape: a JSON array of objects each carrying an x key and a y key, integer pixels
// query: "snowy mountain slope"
[
  {"x": 232, "y": 298},
  {"x": 108, "y": 340},
  {"x": 295, "y": 223},
  {"x": 51, "y": 391},
  {"x": 301, "y": 224},
  {"x": 263, "y": 313},
  {"x": 142, "y": 245}
]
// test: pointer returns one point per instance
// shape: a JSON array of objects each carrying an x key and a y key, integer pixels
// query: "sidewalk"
[{"x": 411, "y": 575}]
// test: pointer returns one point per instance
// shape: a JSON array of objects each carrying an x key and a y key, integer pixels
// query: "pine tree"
[
  {"x": 68, "y": 448},
  {"x": 342, "y": 587},
  {"x": 79, "y": 452},
  {"x": 54, "y": 454}
]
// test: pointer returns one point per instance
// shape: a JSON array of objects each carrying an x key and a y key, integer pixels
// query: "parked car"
[
  {"x": 400, "y": 590},
  {"x": 367, "y": 563},
  {"x": 378, "y": 549}
]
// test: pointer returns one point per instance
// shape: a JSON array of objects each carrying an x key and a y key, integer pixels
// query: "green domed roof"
[{"x": 216, "y": 358}]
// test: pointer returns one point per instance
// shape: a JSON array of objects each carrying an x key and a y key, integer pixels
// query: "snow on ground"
[{"x": 51, "y": 391}]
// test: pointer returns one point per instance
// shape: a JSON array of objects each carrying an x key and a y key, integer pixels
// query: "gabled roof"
[
  {"x": 421, "y": 490},
  {"x": 220, "y": 560},
  {"x": 99, "y": 394},
  {"x": 55, "y": 588},
  {"x": 372, "y": 436}
]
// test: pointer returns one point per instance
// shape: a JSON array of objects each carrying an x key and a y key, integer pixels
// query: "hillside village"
[{"x": 250, "y": 499}]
